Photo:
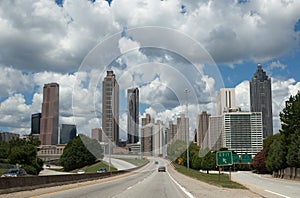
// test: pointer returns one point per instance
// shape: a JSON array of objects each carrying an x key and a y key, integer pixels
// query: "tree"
[
  {"x": 23, "y": 152},
  {"x": 196, "y": 162},
  {"x": 176, "y": 149},
  {"x": 290, "y": 116},
  {"x": 259, "y": 162},
  {"x": 276, "y": 159},
  {"x": 93, "y": 146},
  {"x": 290, "y": 130},
  {"x": 76, "y": 155},
  {"x": 209, "y": 162},
  {"x": 293, "y": 153},
  {"x": 4, "y": 150}
]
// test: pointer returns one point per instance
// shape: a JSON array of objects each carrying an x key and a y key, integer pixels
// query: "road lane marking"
[
  {"x": 85, "y": 184},
  {"x": 277, "y": 193},
  {"x": 181, "y": 187}
]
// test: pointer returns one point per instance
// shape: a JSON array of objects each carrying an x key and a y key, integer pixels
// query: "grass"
[
  {"x": 214, "y": 179},
  {"x": 135, "y": 161},
  {"x": 93, "y": 168}
]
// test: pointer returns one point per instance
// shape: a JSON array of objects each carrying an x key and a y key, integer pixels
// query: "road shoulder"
[{"x": 201, "y": 189}]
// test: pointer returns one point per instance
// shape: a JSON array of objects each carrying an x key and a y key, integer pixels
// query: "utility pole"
[{"x": 187, "y": 135}]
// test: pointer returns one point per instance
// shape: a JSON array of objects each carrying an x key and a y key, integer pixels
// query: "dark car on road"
[
  {"x": 14, "y": 172},
  {"x": 101, "y": 170},
  {"x": 161, "y": 169}
]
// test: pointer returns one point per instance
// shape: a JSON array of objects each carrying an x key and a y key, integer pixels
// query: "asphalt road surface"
[
  {"x": 145, "y": 183},
  {"x": 268, "y": 186}
]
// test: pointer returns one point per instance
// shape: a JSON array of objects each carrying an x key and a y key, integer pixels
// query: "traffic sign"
[
  {"x": 224, "y": 158},
  {"x": 246, "y": 158},
  {"x": 236, "y": 158}
]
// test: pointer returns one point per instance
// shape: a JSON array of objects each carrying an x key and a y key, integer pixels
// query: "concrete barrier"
[
  {"x": 288, "y": 173},
  {"x": 15, "y": 184}
]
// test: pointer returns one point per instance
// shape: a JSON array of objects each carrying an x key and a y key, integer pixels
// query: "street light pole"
[
  {"x": 187, "y": 135},
  {"x": 109, "y": 153},
  {"x": 109, "y": 147}
]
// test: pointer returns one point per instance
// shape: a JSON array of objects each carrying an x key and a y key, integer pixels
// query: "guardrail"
[{"x": 15, "y": 184}]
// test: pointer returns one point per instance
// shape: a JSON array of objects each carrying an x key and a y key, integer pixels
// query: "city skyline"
[{"x": 57, "y": 56}]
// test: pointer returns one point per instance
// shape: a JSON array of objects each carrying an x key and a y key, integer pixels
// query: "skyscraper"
[
  {"x": 225, "y": 100},
  {"x": 202, "y": 129},
  {"x": 261, "y": 99},
  {"x": 215, "y": 132},
  {"x": 133, "y": 115},
  {"x": 171, "y": 132},
  {"x": 50, "y": 115},
  {"x": 35, "y": 123},
  {"x": 182, "y": 128},
  {"x": 147, "y": 135},
  {"x": 110, "y": 107},
  {"x": 67, "y": 133}
]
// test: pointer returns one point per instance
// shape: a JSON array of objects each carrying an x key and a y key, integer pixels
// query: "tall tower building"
[
  {"x": 202, "y": 129},
  {"x": 110, "y": 107},
  {"x": 147, "y": 134},
  {"x": 215, "y": 132},
  {"x": 182, "y": 128},
  {"x": 225, "y": 100},
  {"x": 261, "y": 99},
  {"x": 133, "y": 115},
  {"x": 35, "y": 123},
  {"x": 50, "y": 115},
  {"x": 171, "y": 132}
]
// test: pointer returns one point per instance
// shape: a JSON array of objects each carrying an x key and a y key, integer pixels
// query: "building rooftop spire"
[{"x": 260, "y": 74}]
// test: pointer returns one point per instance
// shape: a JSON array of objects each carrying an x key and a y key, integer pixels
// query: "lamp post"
[
  {"x": 109, "y": 143},
  {"x": 186, "y": 91}
]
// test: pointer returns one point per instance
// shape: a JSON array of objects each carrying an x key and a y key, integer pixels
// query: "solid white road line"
[
  {"x": 277, "y": 194},
  {"x": 182, "y": 188}
]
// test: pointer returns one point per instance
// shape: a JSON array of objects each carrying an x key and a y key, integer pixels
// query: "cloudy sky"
[{"x": 164, "y": 47}]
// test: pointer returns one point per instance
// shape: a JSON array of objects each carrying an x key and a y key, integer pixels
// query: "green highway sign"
[
  {"x": 246, "y": 158},
  {"x": 236, "y": 158},
  {"x": 224, "y": 158}
]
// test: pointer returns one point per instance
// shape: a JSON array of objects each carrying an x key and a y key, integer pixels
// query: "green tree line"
[
  {"x": 198, "y": 158},
  {"x": 283, "y": 149},
  {"x": 77, "y": 155},
  {"x": 22, "y": 152}
]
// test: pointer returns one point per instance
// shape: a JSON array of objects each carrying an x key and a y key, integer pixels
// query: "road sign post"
[
  {"x": 246, "y": 158},
  {"x": 224, "y": 158},
  {"x": 236, "y": 158}
]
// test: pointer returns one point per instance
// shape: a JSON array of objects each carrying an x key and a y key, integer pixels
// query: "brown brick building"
[{"x": 50, "y": 115}]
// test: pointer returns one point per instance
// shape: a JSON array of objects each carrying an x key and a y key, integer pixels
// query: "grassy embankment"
[
  {"x": 93, "y": 168},
  {"x": 134, "y": 161},
  {"x": 221, "y": 180}
]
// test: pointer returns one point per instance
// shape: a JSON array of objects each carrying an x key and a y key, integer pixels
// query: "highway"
[
  {"x": 147, "y": 182},
  {"x": 268, "y": 186}
]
